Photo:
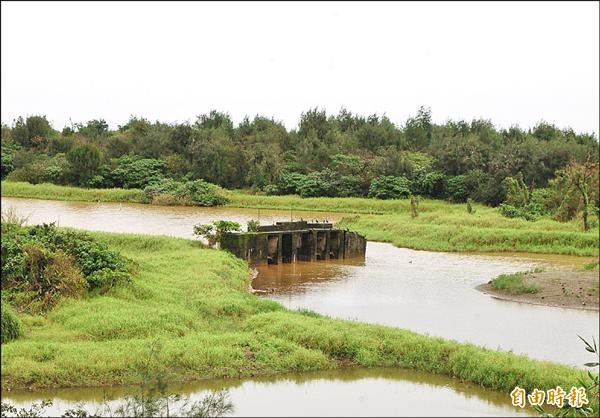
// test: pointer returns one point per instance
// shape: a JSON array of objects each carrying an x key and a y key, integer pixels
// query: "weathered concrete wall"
[{"x": 289, "y": 246}]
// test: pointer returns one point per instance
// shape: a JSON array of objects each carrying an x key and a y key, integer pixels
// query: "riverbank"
[
  {"x": 440, "y": 226},
  {"x": 560, "y": 288},
  {"x": 196, "y": 303}
]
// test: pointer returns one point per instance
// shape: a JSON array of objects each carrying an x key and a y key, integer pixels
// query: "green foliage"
[
  {"x": 196, "y": 192},
  {"x": 10, "y": 326},
  {"x": 470, "y": 208},
  {"x": 513, "y": 284},
  {"x": 432, "y": 184},
  {"x": 135, "y": 172},
  {"x": 32, "y": 132},
  {"x": 42, "y": 265},
  {"x": 7, "y": 152},
  {"x": 85, "y": 160},
  {"x": 253, "y": 225},
  {"x": 214, "y": 232},
  {"x": 414, "y": 206},
  {"x": 457, "y": 189},
  {"x": 390, "y": 187},
  {"x": 335, "y": 156}
]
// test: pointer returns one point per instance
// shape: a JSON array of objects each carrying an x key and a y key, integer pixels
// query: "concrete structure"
[{"x": 288, "y": 242}]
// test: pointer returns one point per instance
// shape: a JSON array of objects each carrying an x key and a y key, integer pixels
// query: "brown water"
[
  {"x": 427, "y": 292},
  {"x": 138, "y": 218},
  {"x": 434, "y": 294},
  {"x": 351, "y": 392}
]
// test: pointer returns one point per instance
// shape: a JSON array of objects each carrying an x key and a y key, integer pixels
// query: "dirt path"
[{"x": 563, "y": 288}]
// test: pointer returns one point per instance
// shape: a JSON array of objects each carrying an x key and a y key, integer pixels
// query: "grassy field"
[
  {"x": 440, "y": 226},
  {"x": 195, "y": 302}
]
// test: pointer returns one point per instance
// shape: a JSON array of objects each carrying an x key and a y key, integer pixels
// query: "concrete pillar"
[
  {"x": 327, "y": 244},
  {"x": 279, "y": 248},
  {"x": 313, "y": 247}
]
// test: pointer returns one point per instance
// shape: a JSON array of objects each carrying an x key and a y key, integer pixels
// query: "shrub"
[
  {"x": 106, "y": 278},
  {"x": 10, "y": 326},
  {"x": 390, "y": 187},
  {"x": 433, "y": 185},
  {"x": 196, "y": 192},
  {"x": 348, "y": 186},
  {"x": 47, "y": 278},
  {"x": 136, "y": 173},
  {"x": 290, "y": 183},
  {"x": 41, "y": 265},
  {"x": 7, "y": 153},
  {"x": 271, "y": 190},
  {"x": 457, "y": 189},
  {"x": 314, "y": 186}
]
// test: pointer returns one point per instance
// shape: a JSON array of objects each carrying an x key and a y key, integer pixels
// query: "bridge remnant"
[{"x": 288, "y": 242}]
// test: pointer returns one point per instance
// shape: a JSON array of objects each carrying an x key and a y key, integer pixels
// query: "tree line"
[{"x": 327, "y": 155}]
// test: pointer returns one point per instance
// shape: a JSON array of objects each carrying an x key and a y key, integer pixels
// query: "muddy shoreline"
[{"x": 557, "y": 288}]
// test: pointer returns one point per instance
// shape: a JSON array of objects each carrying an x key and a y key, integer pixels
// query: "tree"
[
  {"x": 419, "y": 129},
  {"x": 215, "y": 231},
  {"x": 582, "y": 178},
  {"x": 390, "y": 187},
  {"x": 84, "y": 160}
]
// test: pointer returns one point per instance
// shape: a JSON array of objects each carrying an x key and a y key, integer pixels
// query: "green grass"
[
  {"x": 448, "y": 229},
  {"x": 55, "y": 192},
  {"x": 513, "y": 284},
  {"x": 440, "y": 226},
  {"x": 195, "y": 301}
]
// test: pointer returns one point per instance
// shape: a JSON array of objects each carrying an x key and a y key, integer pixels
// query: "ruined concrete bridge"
[{"x": 288, "y": 242}]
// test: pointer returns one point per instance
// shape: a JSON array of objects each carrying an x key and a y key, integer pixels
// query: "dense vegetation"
[
  {"x": 195, "y": 302},
  {"x": 41, "y": 265},
  {"x": 327, "y": 155}
]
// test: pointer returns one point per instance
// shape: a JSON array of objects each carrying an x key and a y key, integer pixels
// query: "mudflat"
[{"x": 562, "y": 288}]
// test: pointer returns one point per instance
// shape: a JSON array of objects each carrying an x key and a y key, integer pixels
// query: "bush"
[
  {"x": 196, "y": 192},
  {"x": 10, "y": 326},
  {"x": 290, "y": 183},
  {"x": 457, "y": 189},
  {"x": 136, "y": 172},
  {"x": 530, "y": 212},
  {"x": 433, "y": 185},
  {"x": 390, "y": 187},
  {"x": 106, "y": 278},
  {"x": 349, "y": 186},
  {"x": 41, "y": 265},
  {"x": 314, "y": 186}
]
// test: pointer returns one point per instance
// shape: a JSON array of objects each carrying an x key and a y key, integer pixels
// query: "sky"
[{"x": 513, "y": 63}]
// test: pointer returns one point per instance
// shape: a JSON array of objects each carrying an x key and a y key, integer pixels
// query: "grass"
[
  {"x": 513, "y": 284},
  {"x": 440, "y": 226},
  {"x": 195, "y": 302},
  {"x": 55, "y": 192}
]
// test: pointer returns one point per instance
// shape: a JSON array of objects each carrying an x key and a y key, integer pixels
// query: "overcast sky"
[{"x": 513, "y": 63}]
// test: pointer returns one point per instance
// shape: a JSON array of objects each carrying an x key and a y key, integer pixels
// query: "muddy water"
[
  {"x": 354, "y": 392},
  {"x": 427, "y": 292},
  {"x": 138, "y": 218},
  {"x": 434, "y": 293}
]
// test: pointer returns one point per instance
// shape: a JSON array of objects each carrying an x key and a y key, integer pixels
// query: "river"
[{"x": 427, "y": 292}]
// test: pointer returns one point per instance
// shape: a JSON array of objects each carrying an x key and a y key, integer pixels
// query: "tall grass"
[
  {"x": 195, "y": 301},
  {"x": 448, "y": 231},
  {"x": 54, "y": 192}
]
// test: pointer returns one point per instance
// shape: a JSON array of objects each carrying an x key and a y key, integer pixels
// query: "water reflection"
[{"x": 350, "y": 392}]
